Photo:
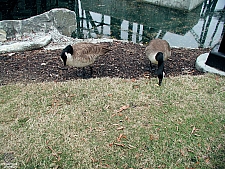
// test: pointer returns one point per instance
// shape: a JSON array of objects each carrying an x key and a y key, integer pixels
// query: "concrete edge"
[{"x": 202, "y": 67}]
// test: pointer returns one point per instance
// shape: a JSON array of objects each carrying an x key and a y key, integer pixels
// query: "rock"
[
  {"x": 62, "y": 19},
  {"x": 36, "y": 43},
  {"x": 60, "y": 23},
  {"x": 2, "y": 35}
]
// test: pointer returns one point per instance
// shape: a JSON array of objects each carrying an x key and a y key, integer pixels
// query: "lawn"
[{"x": 114, "y": 123}]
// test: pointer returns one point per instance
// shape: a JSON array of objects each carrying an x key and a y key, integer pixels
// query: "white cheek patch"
[
  {"x": 164, "y": 74},
  {"x": 68, "y": 55},
  {"x": 69, "y": 60}
]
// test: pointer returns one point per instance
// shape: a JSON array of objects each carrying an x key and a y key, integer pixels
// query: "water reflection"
[{"x": 133, "y": 20}]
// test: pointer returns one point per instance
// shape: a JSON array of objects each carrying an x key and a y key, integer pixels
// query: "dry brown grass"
[{"x": 115, "y": 123}]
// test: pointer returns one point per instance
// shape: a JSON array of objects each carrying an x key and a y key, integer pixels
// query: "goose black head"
[
  {"x": 159, "y": 57},
  {"x": 160, "y": 71},
  {"x": 68, "y": 49}
]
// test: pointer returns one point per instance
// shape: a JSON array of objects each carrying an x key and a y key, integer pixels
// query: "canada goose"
[
  {"x": 158, "y": 51},
  {"x": 82, "y": 54}
]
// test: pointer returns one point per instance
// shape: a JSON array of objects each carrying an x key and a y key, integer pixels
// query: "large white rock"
[
  {"x": 37, "y": 31},
  {"x": 2, "y": 35},
  {"x": 62, "y": 19},
  {"x": 36, "y": 43}
]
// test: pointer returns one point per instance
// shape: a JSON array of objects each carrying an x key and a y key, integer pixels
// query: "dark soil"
[{"x": 126, "y": 60}]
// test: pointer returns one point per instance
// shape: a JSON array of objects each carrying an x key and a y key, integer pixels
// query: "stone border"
[
  {"x": 36, "y": 43},
  {"x": 202, "y": 67}
]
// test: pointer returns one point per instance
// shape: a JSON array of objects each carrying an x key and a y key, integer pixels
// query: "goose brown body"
[
  {"x": 155, "y": 46},
  {"x": 158, "y": 51},
  {"x": 84, "y": 54}
]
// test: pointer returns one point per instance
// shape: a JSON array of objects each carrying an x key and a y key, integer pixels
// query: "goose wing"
[{"x": 86, "y": 53}]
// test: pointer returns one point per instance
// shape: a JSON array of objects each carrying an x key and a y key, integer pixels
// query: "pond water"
[{"x": 132, "y": 20}]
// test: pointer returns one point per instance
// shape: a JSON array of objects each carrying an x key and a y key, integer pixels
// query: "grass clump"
[{"x": 115, "y": 123}]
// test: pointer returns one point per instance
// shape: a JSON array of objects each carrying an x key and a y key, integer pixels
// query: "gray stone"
[
  {"x": 2, "y": 35},
  {"x": 62, "y": 19},
  {"x": 51, "y": 30},
  {"x": 202, "y": 67},
  {"x": 37, "y": 31},
  {"x": 36, "y": 43}
]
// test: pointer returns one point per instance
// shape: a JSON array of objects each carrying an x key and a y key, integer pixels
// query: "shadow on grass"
[{"x": 218, "y": 157}]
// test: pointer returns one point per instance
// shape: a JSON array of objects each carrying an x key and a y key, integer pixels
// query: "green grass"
[{"x": 115, "y": 123}]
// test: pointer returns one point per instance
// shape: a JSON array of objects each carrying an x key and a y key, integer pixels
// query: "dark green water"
[{"x": 132, "y": 20}]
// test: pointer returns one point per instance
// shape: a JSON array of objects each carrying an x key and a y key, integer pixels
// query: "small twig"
[
  {"x": 130, "y": 146},
  {"x": 123, "y": 108},
  {"x": 120, "y": 128},
  {"x": 194, "y": 130},
  {"x": 54, "y": 153},
  {"x": 120, "y": 137},
  {"x": 117, "y": 144},
  {"x": 123, "y": 145}
]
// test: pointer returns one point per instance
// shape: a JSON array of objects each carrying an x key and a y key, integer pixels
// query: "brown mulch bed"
[{"x": 126, "y": 60}]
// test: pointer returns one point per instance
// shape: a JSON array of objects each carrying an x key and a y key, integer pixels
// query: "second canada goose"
[
  {"x": 158, "y": 51},
  {"x": 83, "y": 54}
]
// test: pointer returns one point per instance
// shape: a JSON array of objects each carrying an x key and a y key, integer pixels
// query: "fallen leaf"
[
  {"x": 117, "y": 144},
  {"x": 194, "y": 129},
  {"x": 123, "y": 108},
  {"x": 133, "y": 80},
  {"x": 120, "y": 137},
  {"x": 110, "y": 95},
  {"x": 120, "y": 128},
  {"x": 54, "y": 153},
  {"x": 154, "y": 137},
  {"x": 130, "y": 146},
  {"x": 93, "y": 160},
  {"x": 135, "y": 86},
  {"x": 217, "y": 78},
  {"x": 207, "y": 160},
  {"x": 182, "y": 152},
  {"x": 197, "y": 135},
  {"x": 146, "y": 75},
  {"x": 151, "y": 137}
]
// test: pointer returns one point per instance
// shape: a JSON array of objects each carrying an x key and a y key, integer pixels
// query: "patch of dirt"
[{"x": 126, "y": 60}]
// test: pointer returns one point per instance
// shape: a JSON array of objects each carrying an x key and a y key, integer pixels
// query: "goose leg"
[
  {"x": 83, "y": 72},
  {"x": 63, "y": 71},
  {"x": 151, "y": 67},
  {"x": 91, "y": 70}
]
